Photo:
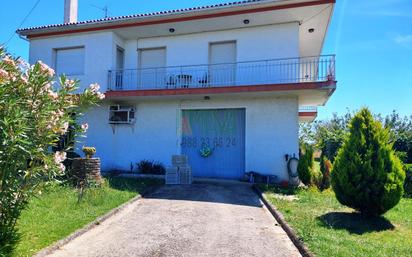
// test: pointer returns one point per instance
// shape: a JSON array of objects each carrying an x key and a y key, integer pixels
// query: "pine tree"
[{"x": 367, "y": 176}]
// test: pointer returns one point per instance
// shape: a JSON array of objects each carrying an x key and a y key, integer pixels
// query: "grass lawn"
[
  {"x": 56, "y": 213},
  {"x": 330, "y": 229}
]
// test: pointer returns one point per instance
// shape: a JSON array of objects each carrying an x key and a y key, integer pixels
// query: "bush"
[
  {"x": 325, "y": 169},
  {"x": 305, "y": 165},
  {"x": 34, "y": 114},
  {"x": 150, "y": 167},
  {"x": 403, "y": 156},
  {"x": 158, "y": 169},
  {"x": 408, "y": 181},
  {"x": 367, "y": 176}
]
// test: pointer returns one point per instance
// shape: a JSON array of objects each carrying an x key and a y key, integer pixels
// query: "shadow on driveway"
[{"x": 221, "y": 192}]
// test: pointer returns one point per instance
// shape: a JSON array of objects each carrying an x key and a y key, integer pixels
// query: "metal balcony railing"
[
  {"x": 278, "y": 71},
  {"x": 308, "y": 108}
]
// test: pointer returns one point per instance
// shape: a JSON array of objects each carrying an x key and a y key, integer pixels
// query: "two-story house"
[{"x": 226, "y": 84}]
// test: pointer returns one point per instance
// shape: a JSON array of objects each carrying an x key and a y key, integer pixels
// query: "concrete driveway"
[{"x": 197, "y": 220}]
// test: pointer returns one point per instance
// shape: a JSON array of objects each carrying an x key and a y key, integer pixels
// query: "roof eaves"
[{"x": 144, "y": 15}]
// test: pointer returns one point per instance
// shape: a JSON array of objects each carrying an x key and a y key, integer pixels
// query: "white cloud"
[{"x": 404, "y": 40}]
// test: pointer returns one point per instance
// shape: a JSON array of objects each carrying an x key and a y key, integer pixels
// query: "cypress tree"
[
  {"x": 367, "y": 176},
  {"x": 305, "y": 166}
]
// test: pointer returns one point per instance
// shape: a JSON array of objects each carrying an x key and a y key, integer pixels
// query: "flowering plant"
[
  {"x": 35, "y": 111},
  {"x": 89, "y": 151}
]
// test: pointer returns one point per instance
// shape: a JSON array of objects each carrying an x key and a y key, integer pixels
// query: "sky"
[{"x": 372, "y": 40}]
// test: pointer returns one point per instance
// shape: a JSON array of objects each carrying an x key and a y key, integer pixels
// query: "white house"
[{"x": 233, "y": 78}]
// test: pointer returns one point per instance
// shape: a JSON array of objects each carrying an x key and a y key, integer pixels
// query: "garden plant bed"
[
  {"x": 328, "y": 228},
  {"x": 55, "y": 214}
]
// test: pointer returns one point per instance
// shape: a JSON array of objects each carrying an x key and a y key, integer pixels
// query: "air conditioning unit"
[{"x": 119, "y": 114}]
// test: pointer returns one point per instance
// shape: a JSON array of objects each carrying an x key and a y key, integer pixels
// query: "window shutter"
[{"x": 70, "y": 61}]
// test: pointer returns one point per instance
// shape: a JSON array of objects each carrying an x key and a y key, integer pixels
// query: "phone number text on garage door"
[{"x": 214, "y": 142}]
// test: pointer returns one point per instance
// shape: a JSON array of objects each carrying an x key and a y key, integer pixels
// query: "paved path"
[{"x": 197, "y": 220}]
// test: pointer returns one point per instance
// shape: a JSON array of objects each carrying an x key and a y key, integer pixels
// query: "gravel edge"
[
  {"x": 304, "y": 251},
  {"x": 57, "y": 245}
]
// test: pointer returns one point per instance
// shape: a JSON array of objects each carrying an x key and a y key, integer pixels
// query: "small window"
[{"x": 70, "y": 61}]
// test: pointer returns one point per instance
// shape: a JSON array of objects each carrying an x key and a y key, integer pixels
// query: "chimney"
[{"x": 70, "y": 11}]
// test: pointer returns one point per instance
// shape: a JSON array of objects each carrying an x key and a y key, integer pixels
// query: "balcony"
[
  {"x": 251, "y": 73},
  {"x": 307, "y": 113}
]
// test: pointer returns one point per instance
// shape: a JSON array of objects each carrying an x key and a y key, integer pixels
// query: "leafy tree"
[
  {"x": 367, "y": 176},
  {"x": 326, "y": 135},
  {"x": 401, "y": 134},
  {"x": 34, "y": 113}
]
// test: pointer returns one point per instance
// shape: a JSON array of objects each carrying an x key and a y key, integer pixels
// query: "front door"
[{"x": 214, "y": 141}]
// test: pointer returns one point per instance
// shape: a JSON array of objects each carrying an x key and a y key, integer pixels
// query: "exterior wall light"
[
  {"x": 311, "y": 30},
  {"x": 171, "y": 30},
  {"x": 246, "y": 21}
]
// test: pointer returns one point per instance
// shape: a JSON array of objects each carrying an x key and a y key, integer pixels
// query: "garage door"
[{"x": 214, "y": 141}]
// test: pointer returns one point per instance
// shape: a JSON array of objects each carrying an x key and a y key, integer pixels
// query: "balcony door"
[
  {"x": 119, "y": 68},
  {"x": 152, "y": 71},
  {"x": 222, "y": 60}
]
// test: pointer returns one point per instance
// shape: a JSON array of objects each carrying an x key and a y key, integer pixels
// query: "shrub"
[
  {"x": 325, "y": 169},
  {"x": 408, "y": 181},
  {"x": 158, "y": 169},
  {"x": 150, "y": 167},
  {"x": 34, "y": 114},
  {"x": 367, "y": 176},
  {"x": 144, "y": 167},
  {"x": 305, "y": 165},
  {"x": 403, "y": 156}
]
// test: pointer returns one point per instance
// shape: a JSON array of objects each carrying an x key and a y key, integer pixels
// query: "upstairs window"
[{"x": 69, "y": 61}]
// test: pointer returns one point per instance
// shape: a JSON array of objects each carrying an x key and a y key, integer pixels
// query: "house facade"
[{"x": 226, "y": 85}]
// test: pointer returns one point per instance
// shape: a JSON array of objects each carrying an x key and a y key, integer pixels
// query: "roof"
[
  {"x": 186, "y": 14},
  {"x": 152, "y": 14}
]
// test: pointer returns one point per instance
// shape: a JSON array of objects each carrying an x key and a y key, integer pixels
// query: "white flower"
[
  {"x": 45, "y": 68},
  {"x": 62, "y": 167},
  {"x": 60, "y": 129},
  {"x": 69, "y": 84},
  {"x": 3, "y": 75},
  {"x": 59, "y": 157},
  {"x": 94, "y": 87},
  {"x": 23, "y": 63},
  {"x": 85, "y": 127},
  {"x": 8, "y": 60},
  {"x": 100, "y": 96},
  {"x": 24, "y": 79},
  {"x": 47, "y": 87},
  {"x": 59, "y": 113},
  {"x": 63, "y": 130},
  {"x": 53, "y": 95}
]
